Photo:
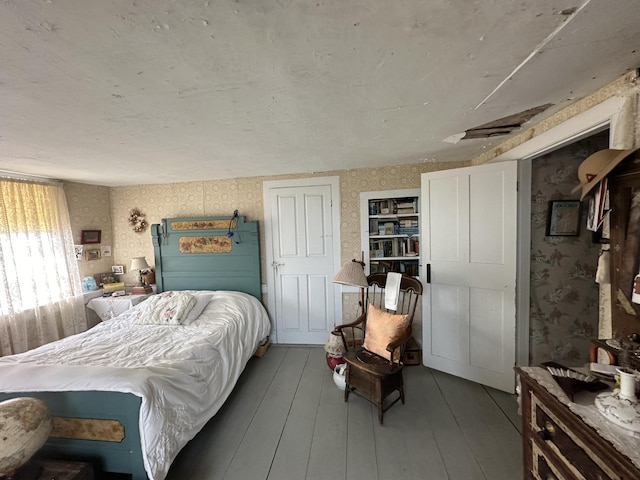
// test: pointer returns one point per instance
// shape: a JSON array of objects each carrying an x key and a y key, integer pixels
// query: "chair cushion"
[{"x": 382, "y": 329}]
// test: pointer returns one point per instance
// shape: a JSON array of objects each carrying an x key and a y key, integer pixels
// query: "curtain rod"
[{"x": 23, "y": 177}]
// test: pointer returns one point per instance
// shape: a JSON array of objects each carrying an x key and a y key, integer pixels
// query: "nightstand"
[{"x": 110, "y": 307}]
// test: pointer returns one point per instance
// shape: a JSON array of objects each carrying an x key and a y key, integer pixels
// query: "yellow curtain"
[{"x": 40, "y": 294}]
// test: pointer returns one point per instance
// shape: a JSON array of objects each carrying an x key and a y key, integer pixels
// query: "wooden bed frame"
[
  {"x": 103, "y": 427},
  {"x": 237, "y": 269}
]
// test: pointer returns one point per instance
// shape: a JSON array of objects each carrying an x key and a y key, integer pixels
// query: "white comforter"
[{"x": 182, "y": 373}]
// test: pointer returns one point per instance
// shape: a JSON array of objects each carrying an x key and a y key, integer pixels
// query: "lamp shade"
[
  {"x": 139, "y": 263},
  {"x": 352, "y": 273}
]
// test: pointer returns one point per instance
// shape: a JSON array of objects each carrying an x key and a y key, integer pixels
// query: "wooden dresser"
[{"x": 564, "y": 439}]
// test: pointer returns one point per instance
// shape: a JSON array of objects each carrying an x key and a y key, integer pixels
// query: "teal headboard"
[{"x": 196, "y": 254}]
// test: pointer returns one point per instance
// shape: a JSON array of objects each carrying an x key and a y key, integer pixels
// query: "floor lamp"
[{"x": 352, "y": 274}]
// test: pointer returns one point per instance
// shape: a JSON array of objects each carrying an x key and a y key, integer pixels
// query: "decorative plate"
[{"x": 621, "y": 411}]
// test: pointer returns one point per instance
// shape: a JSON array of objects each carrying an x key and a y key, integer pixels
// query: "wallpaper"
[
  {"x": 564, "y": 296},
  {"x": 90, "y": 209},
  {"x": 108, "y": 209}
]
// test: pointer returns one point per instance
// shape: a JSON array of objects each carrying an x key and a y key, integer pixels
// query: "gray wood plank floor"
[{"x": 286, "y": 420}]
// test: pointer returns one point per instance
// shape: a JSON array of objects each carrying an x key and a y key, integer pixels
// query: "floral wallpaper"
[
  {"x": 90, "y": 209},
  {"x": 108, "y": 209},
  {"x": 564, "y": 296}
]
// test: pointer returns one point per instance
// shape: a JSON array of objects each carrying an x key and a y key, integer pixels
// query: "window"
[{"x": 40, "y": 293}]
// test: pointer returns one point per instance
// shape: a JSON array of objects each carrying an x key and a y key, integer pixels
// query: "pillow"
[
  {"x": 167, "y": 308},
  {"x": 202, "y": 300},
  {"x": 382, "y": 329}
]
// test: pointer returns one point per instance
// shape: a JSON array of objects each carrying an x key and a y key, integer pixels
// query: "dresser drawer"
[
  {"x": 542, "y": 469},
  {"x": 565, "y": 454}
]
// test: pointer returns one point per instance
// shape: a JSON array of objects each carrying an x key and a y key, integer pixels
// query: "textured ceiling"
[{"x": 121, "y": 92}]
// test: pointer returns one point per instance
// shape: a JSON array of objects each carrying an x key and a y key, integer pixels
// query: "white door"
[
  {"x": 302, "y": 259},
  {"x": 469, "y": 248}
]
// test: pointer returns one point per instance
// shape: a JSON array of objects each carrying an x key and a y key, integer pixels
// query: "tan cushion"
[{"x": 382, "y": 329}]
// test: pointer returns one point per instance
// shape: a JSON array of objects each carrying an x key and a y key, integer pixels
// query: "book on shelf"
[
  {"x": 407, "y": 205},
  {"x": 373, "y": 226},
  {"x": 408, "y": 222},
  {"x": 393, "y": 207},
  {"x": 408, "y": 231},
  {"x": 407, "y": 267},
  {"x": 390, "y": 228},
  {"x": 395, "y": 249}
]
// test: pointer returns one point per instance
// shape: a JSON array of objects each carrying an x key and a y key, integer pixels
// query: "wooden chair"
[{"x": 374, "y": 374}]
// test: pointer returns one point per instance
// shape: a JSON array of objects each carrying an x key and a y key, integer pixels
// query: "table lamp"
[{"x": 139, "y": 263}]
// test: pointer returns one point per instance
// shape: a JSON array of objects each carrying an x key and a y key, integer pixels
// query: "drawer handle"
[{"x": 547, "y": 431}]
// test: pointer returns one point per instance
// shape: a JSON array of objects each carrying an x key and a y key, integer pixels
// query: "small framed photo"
[
  {"x": 108, "y": 277},
  {"x": 564, "y": 218},
  {"x": 105, "y": 250},
  {"x": 117, "y": 269},
  {"x": 90, "y": 236},
  {"x": 78, "y": 250},
  {"x": 92, "y": 254}
]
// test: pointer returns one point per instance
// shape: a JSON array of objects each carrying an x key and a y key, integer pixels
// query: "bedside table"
[{"x": 110, "y": 307}]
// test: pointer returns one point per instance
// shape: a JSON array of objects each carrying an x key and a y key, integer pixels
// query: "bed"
[{"x": 128, "y": 394}]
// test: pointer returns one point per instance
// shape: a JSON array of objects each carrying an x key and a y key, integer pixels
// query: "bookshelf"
[{"x": 390, "y": 230}]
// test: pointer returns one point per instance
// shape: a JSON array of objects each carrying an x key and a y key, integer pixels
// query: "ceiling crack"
[{"x": 535, "y": 51}]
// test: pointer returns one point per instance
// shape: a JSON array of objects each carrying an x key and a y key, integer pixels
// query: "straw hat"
[{"x": 597, "y": 166}]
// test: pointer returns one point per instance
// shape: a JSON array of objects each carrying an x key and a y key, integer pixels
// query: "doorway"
[
  {"x": 564, "y": 297},
  {"x": 608, "y": 114}
]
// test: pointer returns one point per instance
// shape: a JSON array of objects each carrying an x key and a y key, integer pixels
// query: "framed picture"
[
  {"x": 117, "y": 269},
  {"x": 78, "y": 249},
  {"x": 93, "y": 254},
  {"x": 564, "y": 218},
  {"x": 108, "y": 277},
  {"x": 105, "y": 250},
  {"x": 90, "y": 236}
]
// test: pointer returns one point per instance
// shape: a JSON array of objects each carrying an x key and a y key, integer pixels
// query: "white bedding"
[{"x": 183, "y": 373}]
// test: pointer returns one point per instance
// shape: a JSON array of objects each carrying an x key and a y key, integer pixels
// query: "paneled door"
[
  {"x": 468, "y": 250},
  {"x": 302, "y": 259}
]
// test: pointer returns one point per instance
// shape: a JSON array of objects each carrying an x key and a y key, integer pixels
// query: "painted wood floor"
[{"x": 286, "y": 420}]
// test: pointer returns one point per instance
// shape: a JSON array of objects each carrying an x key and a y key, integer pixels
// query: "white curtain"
[{"x": 40, "y": 291}]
